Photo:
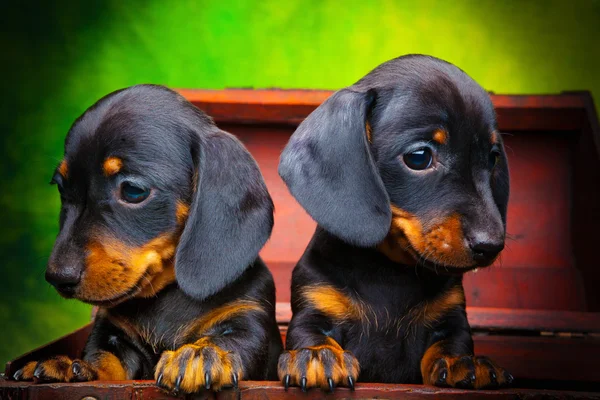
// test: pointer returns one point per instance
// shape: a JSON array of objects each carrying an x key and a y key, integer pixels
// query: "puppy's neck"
[{"x": 397, "y": 249}]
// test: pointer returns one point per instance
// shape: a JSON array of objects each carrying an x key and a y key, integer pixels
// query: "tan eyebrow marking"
[
  {"x": 112, "y": 165},
  {"x": 63, "y": 168},
  {"x": 369, "y": 131},
  {"x": 440, "y": 136},
  {"x": 494, "y": 137}
]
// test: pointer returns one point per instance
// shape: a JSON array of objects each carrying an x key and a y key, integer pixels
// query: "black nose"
[
  {"x": 484, "y": 252},
  {"x": 64, "y": 280}
]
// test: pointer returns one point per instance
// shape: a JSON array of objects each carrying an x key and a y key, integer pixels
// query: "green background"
[{"x": 60, "y": 57}]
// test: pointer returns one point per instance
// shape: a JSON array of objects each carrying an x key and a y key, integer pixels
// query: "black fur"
[
  {"x": 169, "y": 146},
  {"x": 347, "y": 184}
]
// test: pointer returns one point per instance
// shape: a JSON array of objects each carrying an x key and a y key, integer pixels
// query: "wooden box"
[{"x": 537, "y": 312}]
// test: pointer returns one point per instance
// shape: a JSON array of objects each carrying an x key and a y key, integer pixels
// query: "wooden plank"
[
  {"x": 515, "y": 112},
  {"x": 485, "y": 318},
  {"x": 544, "y": 358},
  {"x": 533, "y": 320},
  {"x": 268, "y": 390}
]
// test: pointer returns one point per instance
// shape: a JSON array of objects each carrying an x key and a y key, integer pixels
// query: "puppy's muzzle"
[
  {"x": 485, "y": 248},
  {"x": 65, "y": 279}
]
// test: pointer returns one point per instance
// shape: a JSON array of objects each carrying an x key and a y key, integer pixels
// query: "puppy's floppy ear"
[
  {"x": 329, "y": 169},
  {"x": 231, "y": 217}
]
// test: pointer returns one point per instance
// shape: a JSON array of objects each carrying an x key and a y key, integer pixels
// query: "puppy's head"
[
  {"x": 152, "y": 193},
  {"x": 408, "y": 159}
]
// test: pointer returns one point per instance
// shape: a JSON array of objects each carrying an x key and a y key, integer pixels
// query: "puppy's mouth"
[
  {"x": 119, "y": 298},
  {"x": 115, "y": 273},
  {"x": 441, "y": 248}
]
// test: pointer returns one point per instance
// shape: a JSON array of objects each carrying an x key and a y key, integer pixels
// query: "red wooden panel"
[
  {"x": 543, "y": 358},
  {"x": 507, "y": 319},
  {"x": 539, "y": 208},
  {"x": 269, "y": 390},
  {"x": 533, "y": 288}
]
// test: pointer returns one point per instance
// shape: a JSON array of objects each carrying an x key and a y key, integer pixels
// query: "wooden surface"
[
  {"x": 526, "y": 357},
  {"x": 136, "y": 390},
  {"x": 506, "y": 319},
  {"x": 515, "y": 112}
]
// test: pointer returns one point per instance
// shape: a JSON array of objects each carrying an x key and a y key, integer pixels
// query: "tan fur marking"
[
  {"x": 494, "y": 137},
  {"x": 113, "y": 268},
  {"x": 182, "y": 212},
  {"x": 109, "y": 367},
  {"x": 63, "y": 169},
  {"x": 435, "y": 309},
  {"x": 28, "y": 370},
  {"x": 440, "y": 136},
  {"x": 333, "y": 303},
  {"x": 408, "y": 241},
  {"x": 221, "y": 314},
  {"x": 112, "y": 166}
]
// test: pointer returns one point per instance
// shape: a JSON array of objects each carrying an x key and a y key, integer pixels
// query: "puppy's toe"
[
  {"x": 193, "y": 368},
  {"x": 319, "y": 366}
]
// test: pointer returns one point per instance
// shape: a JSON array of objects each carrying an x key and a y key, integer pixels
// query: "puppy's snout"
[
  {"x": 64, "y": 279},
  {"x": 485, "y": 248}
]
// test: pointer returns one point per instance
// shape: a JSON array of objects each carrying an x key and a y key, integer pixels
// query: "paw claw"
[
  {"x": 472, "y": 377},
  {"x": 286, "y": 381},
  {"x": 351, "y": 383},
  {"x": 303, "y": 384},
  {"x": 330, "y": 383},
  {"x": 178, "y": 384},
  {"x": 442, "y": 377},
  {"x": 234, "y": 379},
  {"x": 18, "y": 375},
  {"x": 159, "y": 380},
  {"x": 509, "y": 378},
  {"x": 76, "y": 368},
  {"x": 207, "y": 381},
  {"x": 37, "y": 373}
]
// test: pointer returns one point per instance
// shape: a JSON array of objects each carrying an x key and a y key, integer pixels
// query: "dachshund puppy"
[
  {"x": 162, "y": 219},
  {"x": 406, "y": 176}
]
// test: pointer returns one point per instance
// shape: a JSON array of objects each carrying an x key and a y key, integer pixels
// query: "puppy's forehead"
[
  {"x": 140, "y": 127},
  {"x": 422, "y": 90}
]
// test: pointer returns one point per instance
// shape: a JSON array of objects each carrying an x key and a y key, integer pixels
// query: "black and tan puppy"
[
  {"x": 162, "y": 219},
  {"x": 406, "y": 176}
]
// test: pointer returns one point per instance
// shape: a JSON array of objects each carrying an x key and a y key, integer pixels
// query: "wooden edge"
[
  {"x": 269, "y": 390},
  {"x": 561, "y": 112},
  {"x": 485, "y": 318},
  {"x": 292, "y": 97},
  {"x": 592, "y": 117}
]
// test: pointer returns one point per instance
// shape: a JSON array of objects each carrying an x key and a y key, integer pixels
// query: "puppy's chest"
[
  {"x": 389, "y": 316},
  {"x": 393, "y": 333},
  {"x": 162, "y": 324}
]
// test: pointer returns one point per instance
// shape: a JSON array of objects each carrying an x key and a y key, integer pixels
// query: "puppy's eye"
[
  {"x": 493, "y": 159},
  {"x": 133, "y": 194},
  {"x": 419, "y": 159}
]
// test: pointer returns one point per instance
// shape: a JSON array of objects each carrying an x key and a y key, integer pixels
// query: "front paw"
[
  {"x": 468, "y": 372},
  {"x": 56, "y": 369},
  {"x": 324, "y": 366},
  {"x": 194, "y": 367}
]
